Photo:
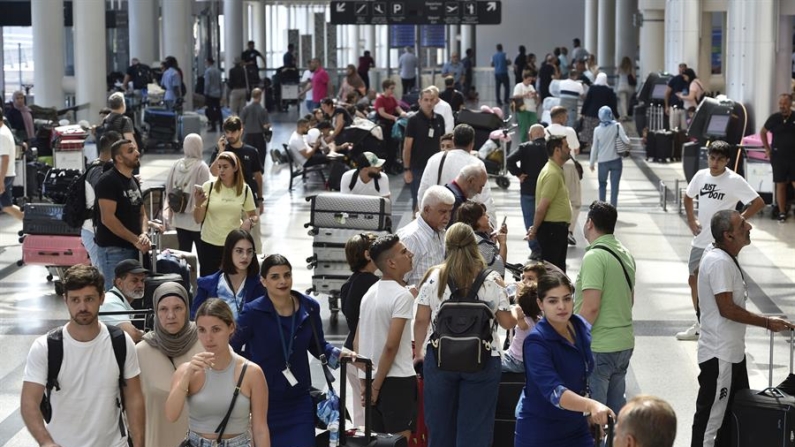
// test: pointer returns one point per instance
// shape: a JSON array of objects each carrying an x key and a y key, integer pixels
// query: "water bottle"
[
  {"x": 510, "y": 290},
  {"x": 333, "y": 434}
]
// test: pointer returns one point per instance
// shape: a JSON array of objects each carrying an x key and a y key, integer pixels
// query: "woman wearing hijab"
[
  {"x": 186, "y": 172},
  {"x": 599, "y": 94},
  {"x": 603, "y": 151},
  {"x": 173, "y": 341}
]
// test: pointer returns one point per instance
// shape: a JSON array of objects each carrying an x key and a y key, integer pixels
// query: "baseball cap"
[
  {"x": 129, "y": 266},
  {"x": 169, "y": 289},
  {"x": 373, "y": 159}
]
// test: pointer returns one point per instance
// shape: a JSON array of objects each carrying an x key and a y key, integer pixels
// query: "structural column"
[
  {"x": 178, "y": 40},
  {"x": 605, "y": 54},
  {"x": 262, "y": 34},
  {"x": 144, "y": 44},
  {"x": 2, "y": 70},
  {"x": 682, "y": 33},
  {"x": 751, "y": 57},
  {"x": 652, "y": 34},
  {"x": 467, "y": 39},
  {"x": 353, "y": 46},
  {"x": 48, "y": 52},
  {"x": 784, "y": 55},
  {"x": 90, "y": 60},
  {"x": 591, "y": 38},
  {"x": 626, "y": 33},
  {"x": 233, "y": 31}
]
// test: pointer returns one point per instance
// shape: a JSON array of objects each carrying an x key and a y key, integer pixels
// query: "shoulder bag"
[
  {"x": 622, "y": 148},
  {"x": 626, "y": 274}
]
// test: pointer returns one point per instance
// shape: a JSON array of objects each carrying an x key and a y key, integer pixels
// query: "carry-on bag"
[
  {"x": 328, "y": 284},
  {"x": 366, "y": 438},
  {"x": 49, "y": 250},
  {"x": 46, "y": 218},
  {"x": 332, "y": 210},
  {"x": 331, "y": 268},
  {"x": 56, "y": 184},
  {"x": 766, "y": 417}
]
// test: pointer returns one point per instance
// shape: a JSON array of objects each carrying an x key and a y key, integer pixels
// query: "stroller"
[{"x": 495, "y": 158}]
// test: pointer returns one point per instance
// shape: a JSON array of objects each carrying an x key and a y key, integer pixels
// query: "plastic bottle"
[{"x": 333, "y": 434}]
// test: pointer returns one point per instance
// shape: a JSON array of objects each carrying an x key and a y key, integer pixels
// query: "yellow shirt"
[
  {"x": 223, "y": 211},
  {"x": 552, "y": 186}
]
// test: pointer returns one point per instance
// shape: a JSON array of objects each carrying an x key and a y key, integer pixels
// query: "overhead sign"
[{"x": 409, "y": 12}]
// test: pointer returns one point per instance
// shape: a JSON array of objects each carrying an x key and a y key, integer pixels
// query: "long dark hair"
[{"x": 227, "y": 264}]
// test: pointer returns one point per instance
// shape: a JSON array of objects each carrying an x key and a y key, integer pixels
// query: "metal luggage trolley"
[{"x": 484, "y": 124}]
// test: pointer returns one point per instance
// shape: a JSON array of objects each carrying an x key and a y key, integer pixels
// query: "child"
[
  {"x": 532, "y": 271},
  {"x": 527, "y": 314}
]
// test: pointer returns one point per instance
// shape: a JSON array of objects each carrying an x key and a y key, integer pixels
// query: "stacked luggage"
[
  {"x": 56, "y": 184},
  {"x": 67, "y": 147},
  {"x": 662, "y": 145},
  {"x": 162, "y": 128},
  {"x": 335, "y": 218}
]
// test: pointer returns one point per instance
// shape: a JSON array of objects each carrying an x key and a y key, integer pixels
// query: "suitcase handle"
[
  {"x": 791, "y": 353},
  {"x": 368, "y": 372},
  {"x": 56, "y": 253}
]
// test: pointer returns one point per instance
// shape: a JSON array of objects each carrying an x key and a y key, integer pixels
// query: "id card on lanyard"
[{"x": 287, "y": 345}]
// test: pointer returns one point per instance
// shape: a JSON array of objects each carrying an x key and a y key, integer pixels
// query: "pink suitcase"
[
  {"x": 53, "y": 250},
  {"x": 70, "y": 144}
]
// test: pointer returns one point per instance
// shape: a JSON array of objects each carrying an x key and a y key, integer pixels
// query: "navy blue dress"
[
  {"x": 291, "y": 412},
  {"x": 553, "y": 365}
]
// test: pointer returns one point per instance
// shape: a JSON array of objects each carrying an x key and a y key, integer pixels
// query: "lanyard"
[{"x": 287, "y": 347}]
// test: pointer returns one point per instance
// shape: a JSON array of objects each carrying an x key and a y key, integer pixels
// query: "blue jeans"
[
  {"x": 529, "y": 213},
  {"x": 109, "y": 257},
  {"x": 87, "y": 237},
  {"x": 608, "y": 379},
  {"x": 614, "y": 168},
  {"x": 460, "y": 407},
  {"x": 501, "y": 79},
  {"x": 311, "y": 105}
]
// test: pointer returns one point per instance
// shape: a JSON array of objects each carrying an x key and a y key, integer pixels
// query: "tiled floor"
[{"x": 659, "y": 240}]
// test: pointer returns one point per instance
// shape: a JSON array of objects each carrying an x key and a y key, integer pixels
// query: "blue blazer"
[
  {"x": 207, "y": 286},
  {"x": 553, "y": 365}
]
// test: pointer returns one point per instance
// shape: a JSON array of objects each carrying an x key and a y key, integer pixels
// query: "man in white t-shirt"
[
  {"x": 128, "y": 286},
  {"x": 304, "y": 153},
  {"x": 368, "y": 179},
  {"x": 443, "y": 108},
  {"x": 85, "y": 406},
  {"x": 716, "y": 188},
  {"x": 559, "y": 128},
  {"x": 571, "y": 92},
  {"x": 722, "y": 294},
  {"x": 306, "y": 81},
  {"x": 8, "y": 152},
  {"x": 384, "y": 335}
]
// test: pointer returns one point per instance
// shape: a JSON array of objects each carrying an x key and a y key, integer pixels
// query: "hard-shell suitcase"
[
  {"x": 189, "y": 123},
  {"x": 332, "y": 210},
  {"x": 366, "y": 438},
  {"x": 46, "y": 218},
  {"x": 53, "y": 250},
  {"x": 662, "y": 146},
  {"x": 328, "y": 244},
  {"x": 56, "y": 184},
  {"x": 331, "y": 268},
  {"x": 767, "y": 417},
  {"x": 61, "y": 134},
  {"x": 328, "y": 284},
  {"x": 508, "y": 395}
]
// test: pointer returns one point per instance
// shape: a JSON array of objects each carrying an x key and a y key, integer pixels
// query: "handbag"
[
  {"x": 220, "y": 430},
  {"x": 622, "y": 148},
  {"x": 318, "y": 396}
]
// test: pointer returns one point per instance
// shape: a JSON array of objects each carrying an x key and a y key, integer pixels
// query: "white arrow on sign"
[
  {"x": 491, "y": 6},
  {"x": 340, "y": 7}
]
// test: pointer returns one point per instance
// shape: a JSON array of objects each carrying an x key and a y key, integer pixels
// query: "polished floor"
[{"x": 659, "y": 240}]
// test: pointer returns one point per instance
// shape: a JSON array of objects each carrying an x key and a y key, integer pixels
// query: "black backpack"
[
  {"x": 55, "y": 359},
  {"x": 116, "y": 123},
  {"x": 75, "y": 209},
  {"x": 462, "y": 331}
]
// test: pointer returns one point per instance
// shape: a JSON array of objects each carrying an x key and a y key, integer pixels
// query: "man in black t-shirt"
[
  {"x": 339, "y": 118},
  {"x": 451, "y": 95},
  {"x": 677, "y": 84},
  {"x": 782, "y": 151},
  {"x": 139, "y": 74},
  {"x": 288, "y": 60},
  {"x": 250, "y": 61},
  {"x": 122, "y": 224},
  {"x": 423, "y": 131},
  {"x": 232, "y": 141}
]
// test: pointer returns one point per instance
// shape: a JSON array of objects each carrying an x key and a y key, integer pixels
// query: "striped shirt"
[{"x": 426, "y": 244}]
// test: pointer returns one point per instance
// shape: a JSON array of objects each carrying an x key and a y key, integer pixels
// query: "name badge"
[
  {"x": 290, "y": 377},
  {"x": 430, "y": 133}
]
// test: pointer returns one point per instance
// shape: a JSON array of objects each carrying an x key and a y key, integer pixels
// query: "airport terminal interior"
[{"x": 742, "y": 51}]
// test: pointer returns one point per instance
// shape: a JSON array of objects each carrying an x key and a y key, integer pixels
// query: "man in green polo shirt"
[
  {"x": 604, "y": 294},
  {"x": 553, "y": 209}
]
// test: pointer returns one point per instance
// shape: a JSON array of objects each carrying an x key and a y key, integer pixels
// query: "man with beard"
[
  {"x": 128, "y": 286},
  {"x": 553, "y": 209},
  {"x": 368, "y": 179},
  {"x": 85, "y": 405},
  {"x": 122, "y": 224}
]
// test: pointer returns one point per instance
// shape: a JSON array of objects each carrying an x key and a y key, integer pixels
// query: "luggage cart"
[{"x": 484, "y": 124}]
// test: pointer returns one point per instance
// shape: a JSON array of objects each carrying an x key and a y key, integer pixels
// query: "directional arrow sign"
[
  {"x": 489, "y": 12},
  {"x": 491, "y": 6},
  {"x": 341, "y": 6},
  {"x": 362, "y": 9}
]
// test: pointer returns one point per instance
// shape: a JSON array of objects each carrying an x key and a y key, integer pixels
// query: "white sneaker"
[{"x": 690, "y": 334}]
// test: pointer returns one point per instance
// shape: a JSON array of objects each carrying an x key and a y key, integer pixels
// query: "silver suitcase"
[
  {"x": 331, "y": 268},
  {"x": 328, "y": 244},
  {"x": 350, "y": 211},
  {"x": 329, "y": 285}
]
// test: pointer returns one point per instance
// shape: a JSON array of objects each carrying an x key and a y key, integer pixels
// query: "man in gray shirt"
[
  {"x": 256, "y": 121},
  {"x": 408, "y": 70},
  {"x": 212, "y": 93}
]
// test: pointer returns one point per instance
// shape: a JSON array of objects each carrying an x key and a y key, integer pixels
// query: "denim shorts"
[
  {"x": 7, "y": 198},
  {"x": 242, "y": 440}
]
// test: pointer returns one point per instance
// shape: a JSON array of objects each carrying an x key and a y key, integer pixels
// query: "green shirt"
[
  {"x": 612, "y": 331},
  {"x": 552, "y": 186}
]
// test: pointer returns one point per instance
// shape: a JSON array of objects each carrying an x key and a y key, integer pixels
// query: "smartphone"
[
  {"x": 504, "y": 219},
  {"x": 198, "y": 188}
]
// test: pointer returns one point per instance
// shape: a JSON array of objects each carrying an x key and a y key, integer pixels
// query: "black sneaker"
[
  {"x": 275, "y": 156},
  {"x": 782, "y": 217},
  {"x": 572, "y": 241}
]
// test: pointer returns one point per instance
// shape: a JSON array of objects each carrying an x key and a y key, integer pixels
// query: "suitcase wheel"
[{"x": 503, "y": 182}]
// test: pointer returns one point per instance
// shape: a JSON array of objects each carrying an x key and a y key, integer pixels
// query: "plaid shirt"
[{"x": 427, "y": 246}]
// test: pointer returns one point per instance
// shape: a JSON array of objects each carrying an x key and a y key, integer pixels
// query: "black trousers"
[
  {"x": 186, "y": 239},
  {"x": 408, "y": 84},
  {"x": 718, "y": 383},
  {"x": 257, "y": 140},
  {"x": 213, "y": 110},
  {"x": 366, "y": 78},
  {"x": 553, "y": 239},
  {"x": 209, "y": 258}
]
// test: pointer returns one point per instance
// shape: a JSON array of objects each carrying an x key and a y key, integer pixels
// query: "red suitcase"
[
  {"x": 53, "y": 250},
  {"x": 71, "y": 132}
]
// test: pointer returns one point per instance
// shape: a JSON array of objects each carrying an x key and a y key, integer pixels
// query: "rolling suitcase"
[
  {"x": 508, "y": 395},
  {"x": 366, "y": 438},
  {"x": 189, "y": 123},
  {"x": 663, "y": 146},
  {"x": 332, "y": 210},
  {"x": 331, "y": 268},
  {"x": 53, "y": 250},
  {"x": 328, "y": 284},
  {"x": 766, "y": 417},
  {"x": 46, "y": 218}
]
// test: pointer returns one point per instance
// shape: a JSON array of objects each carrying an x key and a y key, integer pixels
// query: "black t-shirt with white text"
[
  {"x": 249, "y": 158},
  {"x": 125, "y": 191}
]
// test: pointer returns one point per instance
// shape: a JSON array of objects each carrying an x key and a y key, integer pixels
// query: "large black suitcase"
[
  {"x": 662, "y": 146},
  {"x": 46, "y": 218},
  {"x": 368, "y": 438},
  {"x": 56, "y": 184},
  {"x": 508, "y": 395},
  {"x": 764, "y": 418},
  {"x": 334, "y": 210}
]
